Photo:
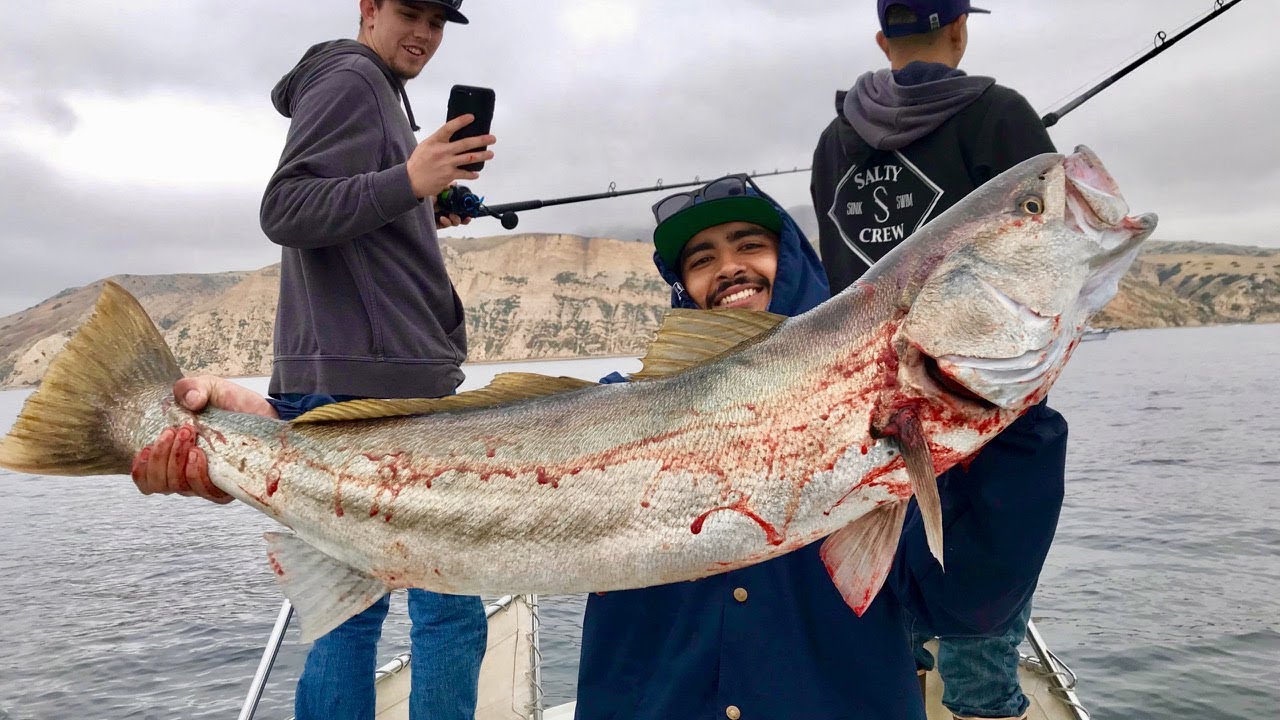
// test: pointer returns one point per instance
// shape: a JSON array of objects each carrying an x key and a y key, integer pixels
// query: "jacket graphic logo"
[{"x": 880, "y": 203}]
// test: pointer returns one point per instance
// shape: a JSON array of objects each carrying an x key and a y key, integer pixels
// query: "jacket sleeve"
[
  {"x": 330, "y": 188},
  {"x": 1011, "y": 132},
  {"x": 999, "y": 518}
]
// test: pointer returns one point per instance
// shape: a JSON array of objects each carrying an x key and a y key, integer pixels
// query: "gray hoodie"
[
  {"x": 889, "y": 114},
  {"x": 366, "y": 306}
]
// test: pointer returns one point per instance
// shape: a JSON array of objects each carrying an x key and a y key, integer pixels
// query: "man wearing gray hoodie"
[
  {"x": 367, "y": 308},
  {"x": 909, "y": 142}
]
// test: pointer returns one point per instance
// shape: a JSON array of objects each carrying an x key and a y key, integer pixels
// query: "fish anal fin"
[
  {"x": 689, "y": 338},
  {"x": 859, "y": 555},
  {"x": 325, "y": 591},
  {"x": 505, "y": 388}
]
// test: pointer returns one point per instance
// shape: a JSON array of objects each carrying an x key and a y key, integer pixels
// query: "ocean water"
[{"x": 1162, "y": 589}]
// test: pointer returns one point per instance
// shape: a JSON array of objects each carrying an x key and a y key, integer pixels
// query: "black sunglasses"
[{"x": 727, "y": 186}]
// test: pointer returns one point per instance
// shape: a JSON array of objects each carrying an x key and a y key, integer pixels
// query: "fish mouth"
[{"x": 1095, "y": 209}]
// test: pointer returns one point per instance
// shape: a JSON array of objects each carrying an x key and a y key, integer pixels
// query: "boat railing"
[
  {"x": 533, "y": 710},
  {"x": 268, "y": 660},
  {"x": 535, "y": 706},
  {"x": 1062, "y": 679}
]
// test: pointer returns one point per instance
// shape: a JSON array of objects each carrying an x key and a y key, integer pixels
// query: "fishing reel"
[{"x": 459, "y": 200}]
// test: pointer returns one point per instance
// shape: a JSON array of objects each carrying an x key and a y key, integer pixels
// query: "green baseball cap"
[{"x": 675, "y": 232}]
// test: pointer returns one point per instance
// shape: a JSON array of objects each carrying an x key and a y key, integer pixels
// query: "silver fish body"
[{"x": 823, "y": 426}]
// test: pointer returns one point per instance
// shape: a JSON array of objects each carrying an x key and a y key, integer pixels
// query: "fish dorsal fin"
[
  {"x": 503, "y": 389},
  {"x": 689, "y": 338}
]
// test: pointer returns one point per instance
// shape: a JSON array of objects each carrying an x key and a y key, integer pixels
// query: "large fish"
[{"x": 744, "y": 437}]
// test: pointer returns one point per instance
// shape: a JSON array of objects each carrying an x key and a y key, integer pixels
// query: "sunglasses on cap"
[{"x": 728, "y": 186}]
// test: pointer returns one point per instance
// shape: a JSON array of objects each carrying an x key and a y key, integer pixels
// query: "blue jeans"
[
  {"x": 979, "y": 674},
  {"x": 447, "y": 640}
]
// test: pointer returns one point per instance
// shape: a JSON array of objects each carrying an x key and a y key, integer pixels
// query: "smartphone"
[{"x": 478, "y": 101}]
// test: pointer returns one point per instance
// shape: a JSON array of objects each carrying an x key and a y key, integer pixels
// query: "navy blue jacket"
[{"x": 776, "y": 640}]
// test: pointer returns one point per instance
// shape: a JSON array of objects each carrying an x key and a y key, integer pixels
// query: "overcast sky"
[{"x": 136, "y": 137}]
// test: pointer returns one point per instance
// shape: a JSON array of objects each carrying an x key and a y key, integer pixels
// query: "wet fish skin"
[{"x": 824, "y": 426}]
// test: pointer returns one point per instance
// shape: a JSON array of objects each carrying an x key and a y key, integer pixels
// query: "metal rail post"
[{"x": 268, "y": 659}]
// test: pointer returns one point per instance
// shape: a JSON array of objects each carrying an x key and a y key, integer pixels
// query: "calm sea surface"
[{"x": 1162, "y": 590}]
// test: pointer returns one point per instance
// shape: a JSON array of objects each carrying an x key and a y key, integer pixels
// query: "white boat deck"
[{"x": 509, "y": 689}]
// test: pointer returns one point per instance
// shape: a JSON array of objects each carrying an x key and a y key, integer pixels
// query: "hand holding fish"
[{"x": 173, "y": 464}]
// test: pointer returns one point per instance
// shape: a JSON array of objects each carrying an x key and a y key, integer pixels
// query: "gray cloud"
[
  {"x": 58, "y": 234},
  {"x": 667, "y": 89}
]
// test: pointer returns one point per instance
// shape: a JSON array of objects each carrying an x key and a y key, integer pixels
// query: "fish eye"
[{"x": 1032, "y": 205}]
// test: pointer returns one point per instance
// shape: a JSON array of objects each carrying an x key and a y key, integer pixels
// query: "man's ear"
[
  {"x": 883, "y": 42},
  {"x": 956, "y": 34},
  {"x": 367, "y": 9}
]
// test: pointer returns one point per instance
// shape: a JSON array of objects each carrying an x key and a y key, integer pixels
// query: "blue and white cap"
[{"x": 930, "y": 15}]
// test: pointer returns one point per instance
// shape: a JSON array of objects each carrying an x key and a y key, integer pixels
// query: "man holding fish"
[
  {"x": 367, "y": 309},
  {"x": 908, "y": 142},
  {"x": 712, "y": 648}
]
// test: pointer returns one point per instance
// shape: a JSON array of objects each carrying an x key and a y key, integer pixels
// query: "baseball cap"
[
  {"x": 930, "y": 15},
  {"x": 452, "y": 9},
  {"x": 728, "y": 199}
]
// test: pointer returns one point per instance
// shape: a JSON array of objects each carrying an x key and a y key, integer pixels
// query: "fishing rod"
[
  {"x": 466, "y": 203},
  {"x": 1163, "y": 42},
  {"x": 461, "y": 200}
]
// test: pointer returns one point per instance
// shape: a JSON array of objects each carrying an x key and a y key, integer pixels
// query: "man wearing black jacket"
[{"x": 909, "y": 142}]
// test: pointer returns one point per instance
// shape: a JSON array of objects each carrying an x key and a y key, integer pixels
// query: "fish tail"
[{"x": 66, "y": 426}]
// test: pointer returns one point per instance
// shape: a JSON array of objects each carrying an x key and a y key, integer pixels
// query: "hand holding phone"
[
  {"x": 439, "y": 161},
  {"x": 477, "y": 102}
]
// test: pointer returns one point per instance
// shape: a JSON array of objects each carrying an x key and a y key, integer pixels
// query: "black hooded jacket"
[
  {"x": 366, "y": 305},
  {"x": 904, "y": 147}
]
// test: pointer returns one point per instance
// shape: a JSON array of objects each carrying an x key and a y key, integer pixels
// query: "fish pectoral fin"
[
  {"x": 906, "y": 426},
  {"x": 689, "y": 338},
  {"x": 858, "y": 556},
  {"x": 503, "y": 389},
  {"x": 325, "y": 592}
]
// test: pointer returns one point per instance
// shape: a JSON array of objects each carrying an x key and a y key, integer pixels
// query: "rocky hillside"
[
  {"x": 1179, "y": 284},
  {"x": 527, "y": 296},
  {"x": 552, "y": 296}
]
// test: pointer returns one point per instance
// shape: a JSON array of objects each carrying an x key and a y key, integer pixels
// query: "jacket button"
[
  {"x": 732, "y": 712},
  {"x": 740, "y": 594}
]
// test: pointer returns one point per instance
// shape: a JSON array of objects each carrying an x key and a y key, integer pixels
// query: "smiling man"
[
  {"x": 725, "y": 245},
  {"x": 367, "y": 309},
  {"x": 776, "y": 639}
]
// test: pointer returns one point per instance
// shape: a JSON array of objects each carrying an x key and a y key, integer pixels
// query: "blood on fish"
[
  {"x": 545, "y": 479},
  {"x": 772, "y": 536}
]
